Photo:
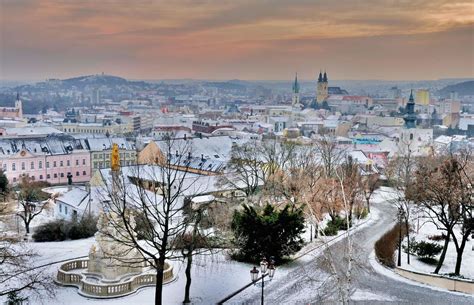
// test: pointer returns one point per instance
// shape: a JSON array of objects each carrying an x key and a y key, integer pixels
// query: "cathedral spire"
[
  {"x": 320, "y": 78},
  {"x": 296, "y": 86},
  {"x": 18, "y": 96},
  {"x": 410, "y": 116},
  {"x": 325, "y": 77}
]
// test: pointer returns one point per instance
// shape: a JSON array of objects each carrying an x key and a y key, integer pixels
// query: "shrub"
[
  {"x": 84, "y": 228},
  {"x": 340, "y": 223},
  {"x": 437, "y": 237},
  {"x": 59, "y": 230},
  {"x": 385, "y": 247},
  {"x": 426, "y": 249},
  {"x": 55, "y": 230},
  {"x": 429, "y": 260},
  {"x": 330, "y": 230},
  {"x": 267, "y": 233}
]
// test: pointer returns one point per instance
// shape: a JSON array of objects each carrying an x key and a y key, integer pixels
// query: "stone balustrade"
[{"x": 67, "y": 277}]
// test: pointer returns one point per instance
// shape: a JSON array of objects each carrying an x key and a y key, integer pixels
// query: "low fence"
[
  {"x": 460, "y": 285},
  {"x": 66, "y": 277}
]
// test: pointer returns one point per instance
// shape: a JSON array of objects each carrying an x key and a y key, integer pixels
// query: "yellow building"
[{"x": 422, "y": 97}]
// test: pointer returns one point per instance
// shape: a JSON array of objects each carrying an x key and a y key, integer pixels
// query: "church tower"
[
  {"x": 19, "y": 106},
  {"x": 410, "y": 116},
  {"x": 296, "y": 92},
  {"x": 322, "y": 88}
]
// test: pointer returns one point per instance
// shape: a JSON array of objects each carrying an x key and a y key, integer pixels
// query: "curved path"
[{"x": 310, "y": 282}]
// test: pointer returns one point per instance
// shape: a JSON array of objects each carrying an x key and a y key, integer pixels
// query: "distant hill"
[
  {"x": 229, "y": 85},
  {"x": 464, "y": 88}
]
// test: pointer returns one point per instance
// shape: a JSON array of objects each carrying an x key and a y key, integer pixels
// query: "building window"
[
  {"x": 23, "y": 166},
  {"x": 13, "y": 167},
  {"x": 62, "y": 175},
  {"x": 54, "y": 163},
  {"x": 4, "y": 166},
  {"x": 32, "y": 165},
  {"x": 47, "y": 164},
  {"x": 68, "y": 162},
  {"x": 84, "y": 173},
  {"x": 77, "y": 162},
  {"x": 61, "y": 163},
  {"x": 55, "y": 176},
  {"x": 411, "y": 136},
  {"x": 60, "y": 208},
  {"x": 14, "y": 179},
  {"x": 77, "y": 173},
  {"x": 40, "y": 164},
  {"x": 41, "y": 177},
  {"x": 65, "y": 210},
  {"x": 48, "y": 176},
  {"x": 83, "y": 161}
]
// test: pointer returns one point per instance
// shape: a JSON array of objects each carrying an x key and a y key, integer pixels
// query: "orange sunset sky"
[{"x": 226, "y": 39}]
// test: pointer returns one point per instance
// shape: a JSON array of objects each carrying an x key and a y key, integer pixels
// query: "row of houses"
[{"x": 60, "y": 158}]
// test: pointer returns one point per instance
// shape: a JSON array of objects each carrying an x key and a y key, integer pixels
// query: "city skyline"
[{"x": 407, "y": 40}]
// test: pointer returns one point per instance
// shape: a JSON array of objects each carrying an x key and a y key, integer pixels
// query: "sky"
[{"x": 237, "y": 39}]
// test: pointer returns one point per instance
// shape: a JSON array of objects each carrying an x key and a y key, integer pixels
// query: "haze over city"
[{"x": 254, "y": 40}]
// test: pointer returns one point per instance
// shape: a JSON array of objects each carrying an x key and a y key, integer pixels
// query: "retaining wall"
[{"x": 460, "y": 285}]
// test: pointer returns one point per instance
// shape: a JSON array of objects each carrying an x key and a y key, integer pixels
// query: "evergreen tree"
[
  {"x": 3, "y": 184},
  {"x": 267, "y": 233}
]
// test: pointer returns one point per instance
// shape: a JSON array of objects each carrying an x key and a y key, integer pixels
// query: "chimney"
[
  {"x": 185, "y": 136},
  {"x": 177, "y": 153},
  {"x": 202, "y": 157},
  {"x": 189, "y": 155}
]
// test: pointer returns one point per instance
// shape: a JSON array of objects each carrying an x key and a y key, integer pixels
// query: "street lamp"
[
  {"x": 267, "y": 268},
  {"x": 400, "y": 215}
]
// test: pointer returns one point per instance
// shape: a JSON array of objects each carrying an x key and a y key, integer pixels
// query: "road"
[{"x": 311, "y": 282}]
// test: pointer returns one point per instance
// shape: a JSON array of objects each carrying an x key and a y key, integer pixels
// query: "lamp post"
[
  {"x": 267, "y": 268},
  {"x": 400, "y": 215}
]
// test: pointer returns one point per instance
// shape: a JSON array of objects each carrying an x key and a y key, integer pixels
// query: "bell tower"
[
  {"x": 322, "y": 88},
  {"x": 19, "y": 106}
]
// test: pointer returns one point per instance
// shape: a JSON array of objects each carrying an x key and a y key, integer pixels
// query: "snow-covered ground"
[
  {"x": 429, "y": 229},
  {"x": 214, "y": 277}
]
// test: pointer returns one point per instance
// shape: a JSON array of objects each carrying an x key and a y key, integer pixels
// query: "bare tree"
[
  {"x": 443, "y": 189},
  {"x": 245, "y": 170},
  {"x": 401, "y": 171},
  {"x": 331, "y": 155},
  {"x": 337, "y": 195},
  {"x": 369, "y": 184},
  {"x": 194, "y": 241},
  {"x": 16, "y": 267},
  {"x": 158, "y": 192},
  {"x": 32, "y": 200}
]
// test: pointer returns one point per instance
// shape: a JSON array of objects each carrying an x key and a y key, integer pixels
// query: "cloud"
[{"x": 219, "y": 39}]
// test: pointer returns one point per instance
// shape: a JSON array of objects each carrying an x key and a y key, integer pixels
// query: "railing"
[{"x": 64, "y": 277}]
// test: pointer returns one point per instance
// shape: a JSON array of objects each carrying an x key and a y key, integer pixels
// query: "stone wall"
[{"x": 466, "y": 286}]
